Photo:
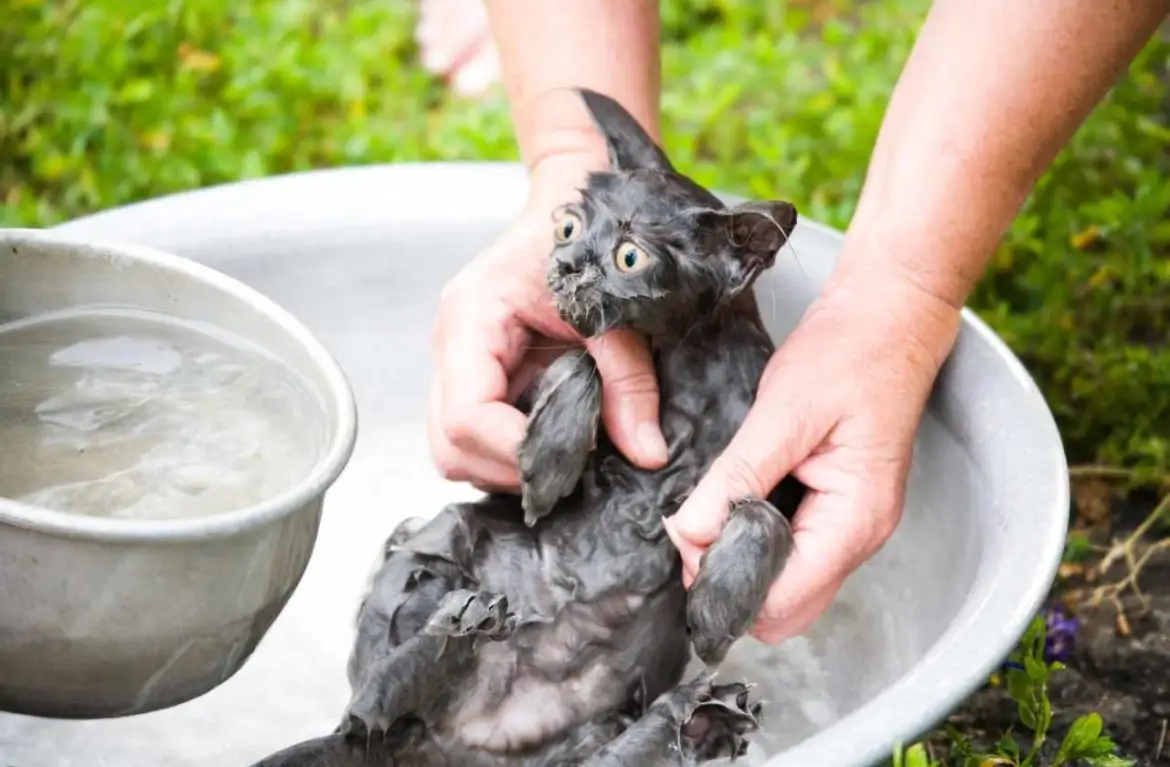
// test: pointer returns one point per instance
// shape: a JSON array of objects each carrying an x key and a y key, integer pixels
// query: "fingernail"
[{"x": 652, "y": 442}]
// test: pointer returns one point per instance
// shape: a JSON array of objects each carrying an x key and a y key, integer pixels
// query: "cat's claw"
[
  {"x": 408, "y": 679},
  {"x": 467, "y": 613},
  {"x": 561, "y": 433},
  {"x": 735, "y": 574},
  {"x": 719, "y": 726},
  {"x": 694, "y": 723}
]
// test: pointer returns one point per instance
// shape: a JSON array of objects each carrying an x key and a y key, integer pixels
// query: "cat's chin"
[
  {"x": 579, "y": 317},
  {"x": 582, "y": 323}
]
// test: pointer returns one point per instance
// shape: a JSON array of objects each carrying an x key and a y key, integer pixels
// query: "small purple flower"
[
  {"x": 1061, "y": 635},
  {"x": 1060, "y": 631}
]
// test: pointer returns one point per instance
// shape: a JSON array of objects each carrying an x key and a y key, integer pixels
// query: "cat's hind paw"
[
  {"x": 405, "y": 683},
  {"x": 696, "y": 722},
  {"x": 472, "y": 614},
  {"x": 720, "y": 723}
]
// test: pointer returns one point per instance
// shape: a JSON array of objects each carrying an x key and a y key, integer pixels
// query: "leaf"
[
  {"x": 1019, "y": 685},
  {"x": 1007, "y": 746},
  {"x": 137, "y": 91},
  {"x": 1103, "y": 746},
  {"x": 1086, "y": 237},
  {"x": 1079, "y": 739},
  {"x": 960, "y": 746},
  {"x": 1044, "y": 715},
  {"x": 1111, "y": 760},
  {"x": 916, "y": 757},
  {"x": 1027, "y": 714},
  {"x": 1035, "y": 669}
]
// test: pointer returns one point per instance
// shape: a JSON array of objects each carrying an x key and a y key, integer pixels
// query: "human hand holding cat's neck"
[{"x": 497, "y": 325}]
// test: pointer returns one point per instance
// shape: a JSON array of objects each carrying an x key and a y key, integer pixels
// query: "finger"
[
  {"x": 779, "y": 432},
  {"x": 629, "y": 396},
  {"x": 478, "y": 350},
  {"x": 458, "y": 466},
  {"x": 797, "y": 623},
  {"x": 689, "y": 552},
  {"x": 540, "y": 354}
]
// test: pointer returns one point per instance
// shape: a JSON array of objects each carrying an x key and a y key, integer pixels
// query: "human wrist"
[
  {"x": 555, "y": 177},
  {"x": 552, "y": 128},
  {"x": 872, "y": 283}
]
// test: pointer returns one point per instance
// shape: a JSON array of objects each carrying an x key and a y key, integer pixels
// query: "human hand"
[
  {"x": 497, "y": 327},
  {"x": 838, "y": 406}
]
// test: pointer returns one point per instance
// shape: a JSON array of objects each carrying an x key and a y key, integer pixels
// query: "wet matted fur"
[{"x": 552, "y": 628}]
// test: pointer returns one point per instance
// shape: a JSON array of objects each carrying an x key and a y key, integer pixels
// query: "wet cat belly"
[
  {"x": 608, "y": 638},
  {"x": 593, "y": 658}
]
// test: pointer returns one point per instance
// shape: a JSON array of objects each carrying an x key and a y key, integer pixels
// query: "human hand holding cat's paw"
[
  {"x": 496, "y": 328},
  {"x": 837, "y": 407}
]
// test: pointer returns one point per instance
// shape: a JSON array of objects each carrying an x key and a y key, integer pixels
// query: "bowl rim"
[
  {"x": 338, "y": 394},
  {"x": 954, "y": 666}
]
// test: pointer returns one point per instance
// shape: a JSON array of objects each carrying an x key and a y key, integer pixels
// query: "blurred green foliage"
[{"x": 104, "y": 102}]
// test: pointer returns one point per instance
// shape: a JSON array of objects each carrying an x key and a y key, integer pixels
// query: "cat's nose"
[{"x": 565, "y": 265}]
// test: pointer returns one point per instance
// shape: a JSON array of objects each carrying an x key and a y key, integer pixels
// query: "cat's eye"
[
  {"x": 567, "y": 227},
  {"x": 630, "y": 258}
]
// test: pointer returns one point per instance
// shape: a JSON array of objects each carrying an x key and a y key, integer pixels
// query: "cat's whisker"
[
  {"x": 772, "y": 297},
  {"x": 691, "y": 329},
  {"x": 552, "y": 348},
  {"x": 795, "y": 256}
]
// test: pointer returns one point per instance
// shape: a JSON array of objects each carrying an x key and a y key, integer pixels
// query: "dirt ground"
[{"x": 1120, "y": 663}]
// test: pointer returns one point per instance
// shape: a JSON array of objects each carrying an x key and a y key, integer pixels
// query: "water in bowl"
[{"x": 139, "y": 415}]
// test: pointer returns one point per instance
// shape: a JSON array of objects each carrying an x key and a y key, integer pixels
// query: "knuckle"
[
  {"x": 877, "y": 524},
  {"x": 450, "y": 293},
  {"x": 629, "y": 383},
  {"x": 462, "y": 429},
  {"x": 885, "y": 506},
  {"x": 886, "y": 518},
  {"x": 776, "y": 608},
  {"x": 740, "y": 477},
  {"x": 448, "y": 464}
]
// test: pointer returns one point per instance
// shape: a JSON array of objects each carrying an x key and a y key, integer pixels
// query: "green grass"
[{"x": 111, "y": 101}]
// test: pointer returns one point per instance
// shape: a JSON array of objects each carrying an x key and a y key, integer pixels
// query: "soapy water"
[{"x": 138, "y": 415}]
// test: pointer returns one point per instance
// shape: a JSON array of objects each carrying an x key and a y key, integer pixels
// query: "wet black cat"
[{"x": 553, "y": 628}]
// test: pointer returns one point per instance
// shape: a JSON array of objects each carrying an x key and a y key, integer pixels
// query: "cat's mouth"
[
  {"x": 577, "y": 313},
  {"x": 578, "y": 302}
]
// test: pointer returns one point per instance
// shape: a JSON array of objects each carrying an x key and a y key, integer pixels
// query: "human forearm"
[
  {"x": 546, "y": 47},
  {"x": 992, "y": 91}
]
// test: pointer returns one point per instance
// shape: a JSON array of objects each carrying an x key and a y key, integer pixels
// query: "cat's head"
[{"x": 646, "y": 247}]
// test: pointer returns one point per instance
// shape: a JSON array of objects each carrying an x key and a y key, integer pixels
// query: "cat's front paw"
[
  {"x": 561, "y": 433},
  {"x": 734, "y": 577}
]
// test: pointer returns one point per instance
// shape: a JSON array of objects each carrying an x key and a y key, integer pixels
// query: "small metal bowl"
[{"x": 103, "y": 617}]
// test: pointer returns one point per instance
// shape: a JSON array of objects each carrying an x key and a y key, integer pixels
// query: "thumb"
[
  {"x": 629, "y": 396},
  {"x": 774, "y": 439}
]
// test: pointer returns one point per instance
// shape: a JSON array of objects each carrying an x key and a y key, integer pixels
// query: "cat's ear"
[
  {"x": 630, "y": 147},
  {"x": 750, "y": 234}
]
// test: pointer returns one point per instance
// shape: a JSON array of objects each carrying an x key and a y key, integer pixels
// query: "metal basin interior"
[{"x": 360, "y": 255}]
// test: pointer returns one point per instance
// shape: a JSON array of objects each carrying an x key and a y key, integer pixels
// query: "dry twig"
[{"x": 1127, "y": 549}]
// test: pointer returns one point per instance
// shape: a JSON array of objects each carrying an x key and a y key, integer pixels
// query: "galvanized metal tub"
[{"x": 359, "y": 255}]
